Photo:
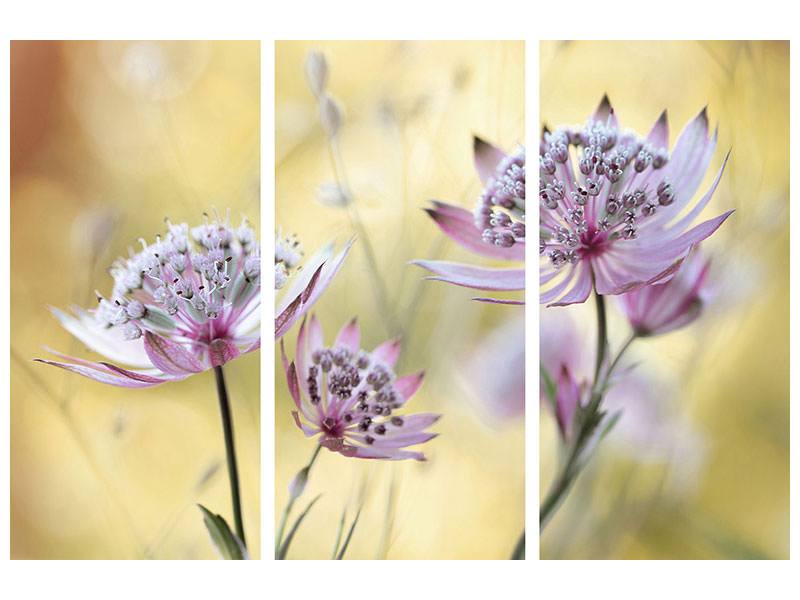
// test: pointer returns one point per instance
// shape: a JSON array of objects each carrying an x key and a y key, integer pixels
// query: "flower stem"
[
  {"x": 290, "y": 504},
  {"x": 230, "y": 452},
  {"x": 586, "y": 420}
]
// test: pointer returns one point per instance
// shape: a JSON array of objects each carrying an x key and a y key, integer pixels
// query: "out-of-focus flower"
[
  {"x": 495, "y": 371},
  {"x": 307, "y": 284},
  {"x": 350, "y": 397},
  {"x": 565, "y": 364},
  {"x": 495, "y": 229},
  {"x": 608, "y": 224},
  {"x": 664, "y": 307},
  {"x": 176, "y": 308}
]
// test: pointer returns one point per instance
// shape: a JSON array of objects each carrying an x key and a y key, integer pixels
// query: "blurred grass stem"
[
  {"x": 382, "y": 295},
  {"x": 230, "y": 452}
]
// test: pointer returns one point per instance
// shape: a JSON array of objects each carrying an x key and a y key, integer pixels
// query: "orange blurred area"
[
  {"x": 107, "y": 140},
  {"x": 410, "y": 112},
  {"x": 714, "y": 482}
]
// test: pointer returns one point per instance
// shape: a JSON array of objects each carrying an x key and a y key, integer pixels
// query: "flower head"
[
  {"x": 495, "y": 229},
  {"x": 663, "y": 307},
  {"x": 610, "y": 207},
  {"x": 186, "y": 303},
  {"x": 305, "y": 284},
  {"x": 351, "y": 397}
]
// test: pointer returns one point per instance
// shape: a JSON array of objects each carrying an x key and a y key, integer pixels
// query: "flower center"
[
  {"x": 616, "y": 188},
  {"x": 197, "y": 292}
]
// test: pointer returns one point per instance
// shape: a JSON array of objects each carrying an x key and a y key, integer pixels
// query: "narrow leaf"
[
  {"x": 225, "y": 542},
  {"x": 349, "y": 535},
  {"x": 285, "y": 547},
  {"x": 339, "y": 535}
]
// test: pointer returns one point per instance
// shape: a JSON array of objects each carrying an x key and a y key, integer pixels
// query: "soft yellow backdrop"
[
  {"x": 411, "y": 111},
  {"x": 108, "y": 139},
  {"x": 730, "y": 369}
]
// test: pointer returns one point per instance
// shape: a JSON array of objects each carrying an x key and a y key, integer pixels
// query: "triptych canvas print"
[{"x": 391, "y": 411}]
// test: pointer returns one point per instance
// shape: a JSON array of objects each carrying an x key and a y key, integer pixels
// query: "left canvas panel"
[{"x": 135, "y": 280}]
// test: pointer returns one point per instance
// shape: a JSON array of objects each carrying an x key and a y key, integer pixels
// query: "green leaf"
[
  {"x": 550, "y": 387},
  {"x": 339, "y": 534},
  {"x": 519, "y": 549},
  {"x": 349, "y": 535},
  {"x": 285, "y": 546},
  {"x": 225, "y": 542},
  {"x": 610, "y": 424}
]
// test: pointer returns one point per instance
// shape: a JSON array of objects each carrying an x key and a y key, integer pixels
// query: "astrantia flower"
[
  {"x": 660, "y": 308},
  {"x": 610, "y": 202},
  {"x": 495, "y": 229},
  {"x": 351, "y": 398},
  {"x": 186, "y": 303},
  {"x": 306, "y": 284}
]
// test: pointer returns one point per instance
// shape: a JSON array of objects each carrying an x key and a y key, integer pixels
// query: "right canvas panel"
[{"x": 664, "y": 313}]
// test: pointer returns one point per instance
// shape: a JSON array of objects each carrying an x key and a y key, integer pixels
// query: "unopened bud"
[
  {"x": 298, "y": 484},
  {"x": 316, "y": 68},
  {"x": 330, "y": 114}
]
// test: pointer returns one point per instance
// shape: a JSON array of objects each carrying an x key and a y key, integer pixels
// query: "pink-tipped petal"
[
  {"x": 349, "y": 336},
  {"x": 678, "y": 247},
  {"x": 604, "y": 111},
  {"x": 659, "y": 134},
  {"x": 288, "y": 317},
  {"x": 459, "y": 225},
  {"x": 487, "y": 157},
  {"x": 474, "y": 277},
  {"x": 314, "y": 335},
  {"x": 221, "y": 351},
  {"x": 408, "y": 385},
  {"x": 388, "y": 352},
  {"x": 170, "y": 357},
  {"x": 101, "y": 376}
]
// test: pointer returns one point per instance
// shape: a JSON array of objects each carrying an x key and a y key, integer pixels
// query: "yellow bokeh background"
[
  {"x": 108, "y": 139},
  {"x": 411, "y": 109},
  {"x": 731, "y": 368}
]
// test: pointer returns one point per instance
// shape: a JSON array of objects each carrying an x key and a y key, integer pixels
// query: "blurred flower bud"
[
  {"x": 298, "y": 484},
  {"x": 660, "y": 308},
  {"x": 332, "y": 194},
  {"x": 331, "y": 114},
  {"x": 316, "y": 68}
]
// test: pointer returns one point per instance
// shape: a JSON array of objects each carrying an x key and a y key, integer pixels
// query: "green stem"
[
  {"x": 602, "y": 339},
  {"x": 586, "y": 420},
  {"x": 290, "y": 504},
  {"x": 230, "y": 452}
]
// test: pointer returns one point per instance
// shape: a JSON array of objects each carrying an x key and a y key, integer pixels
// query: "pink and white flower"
[
  {"x": 664, "y": 307},
  {"x": 306, "y": 284},
  {"x": 177, "y": 308},
  {"x": 495, "y": 229},
  {"x": 350, "y": 397},
  {"x": 612, "y": 203}
]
